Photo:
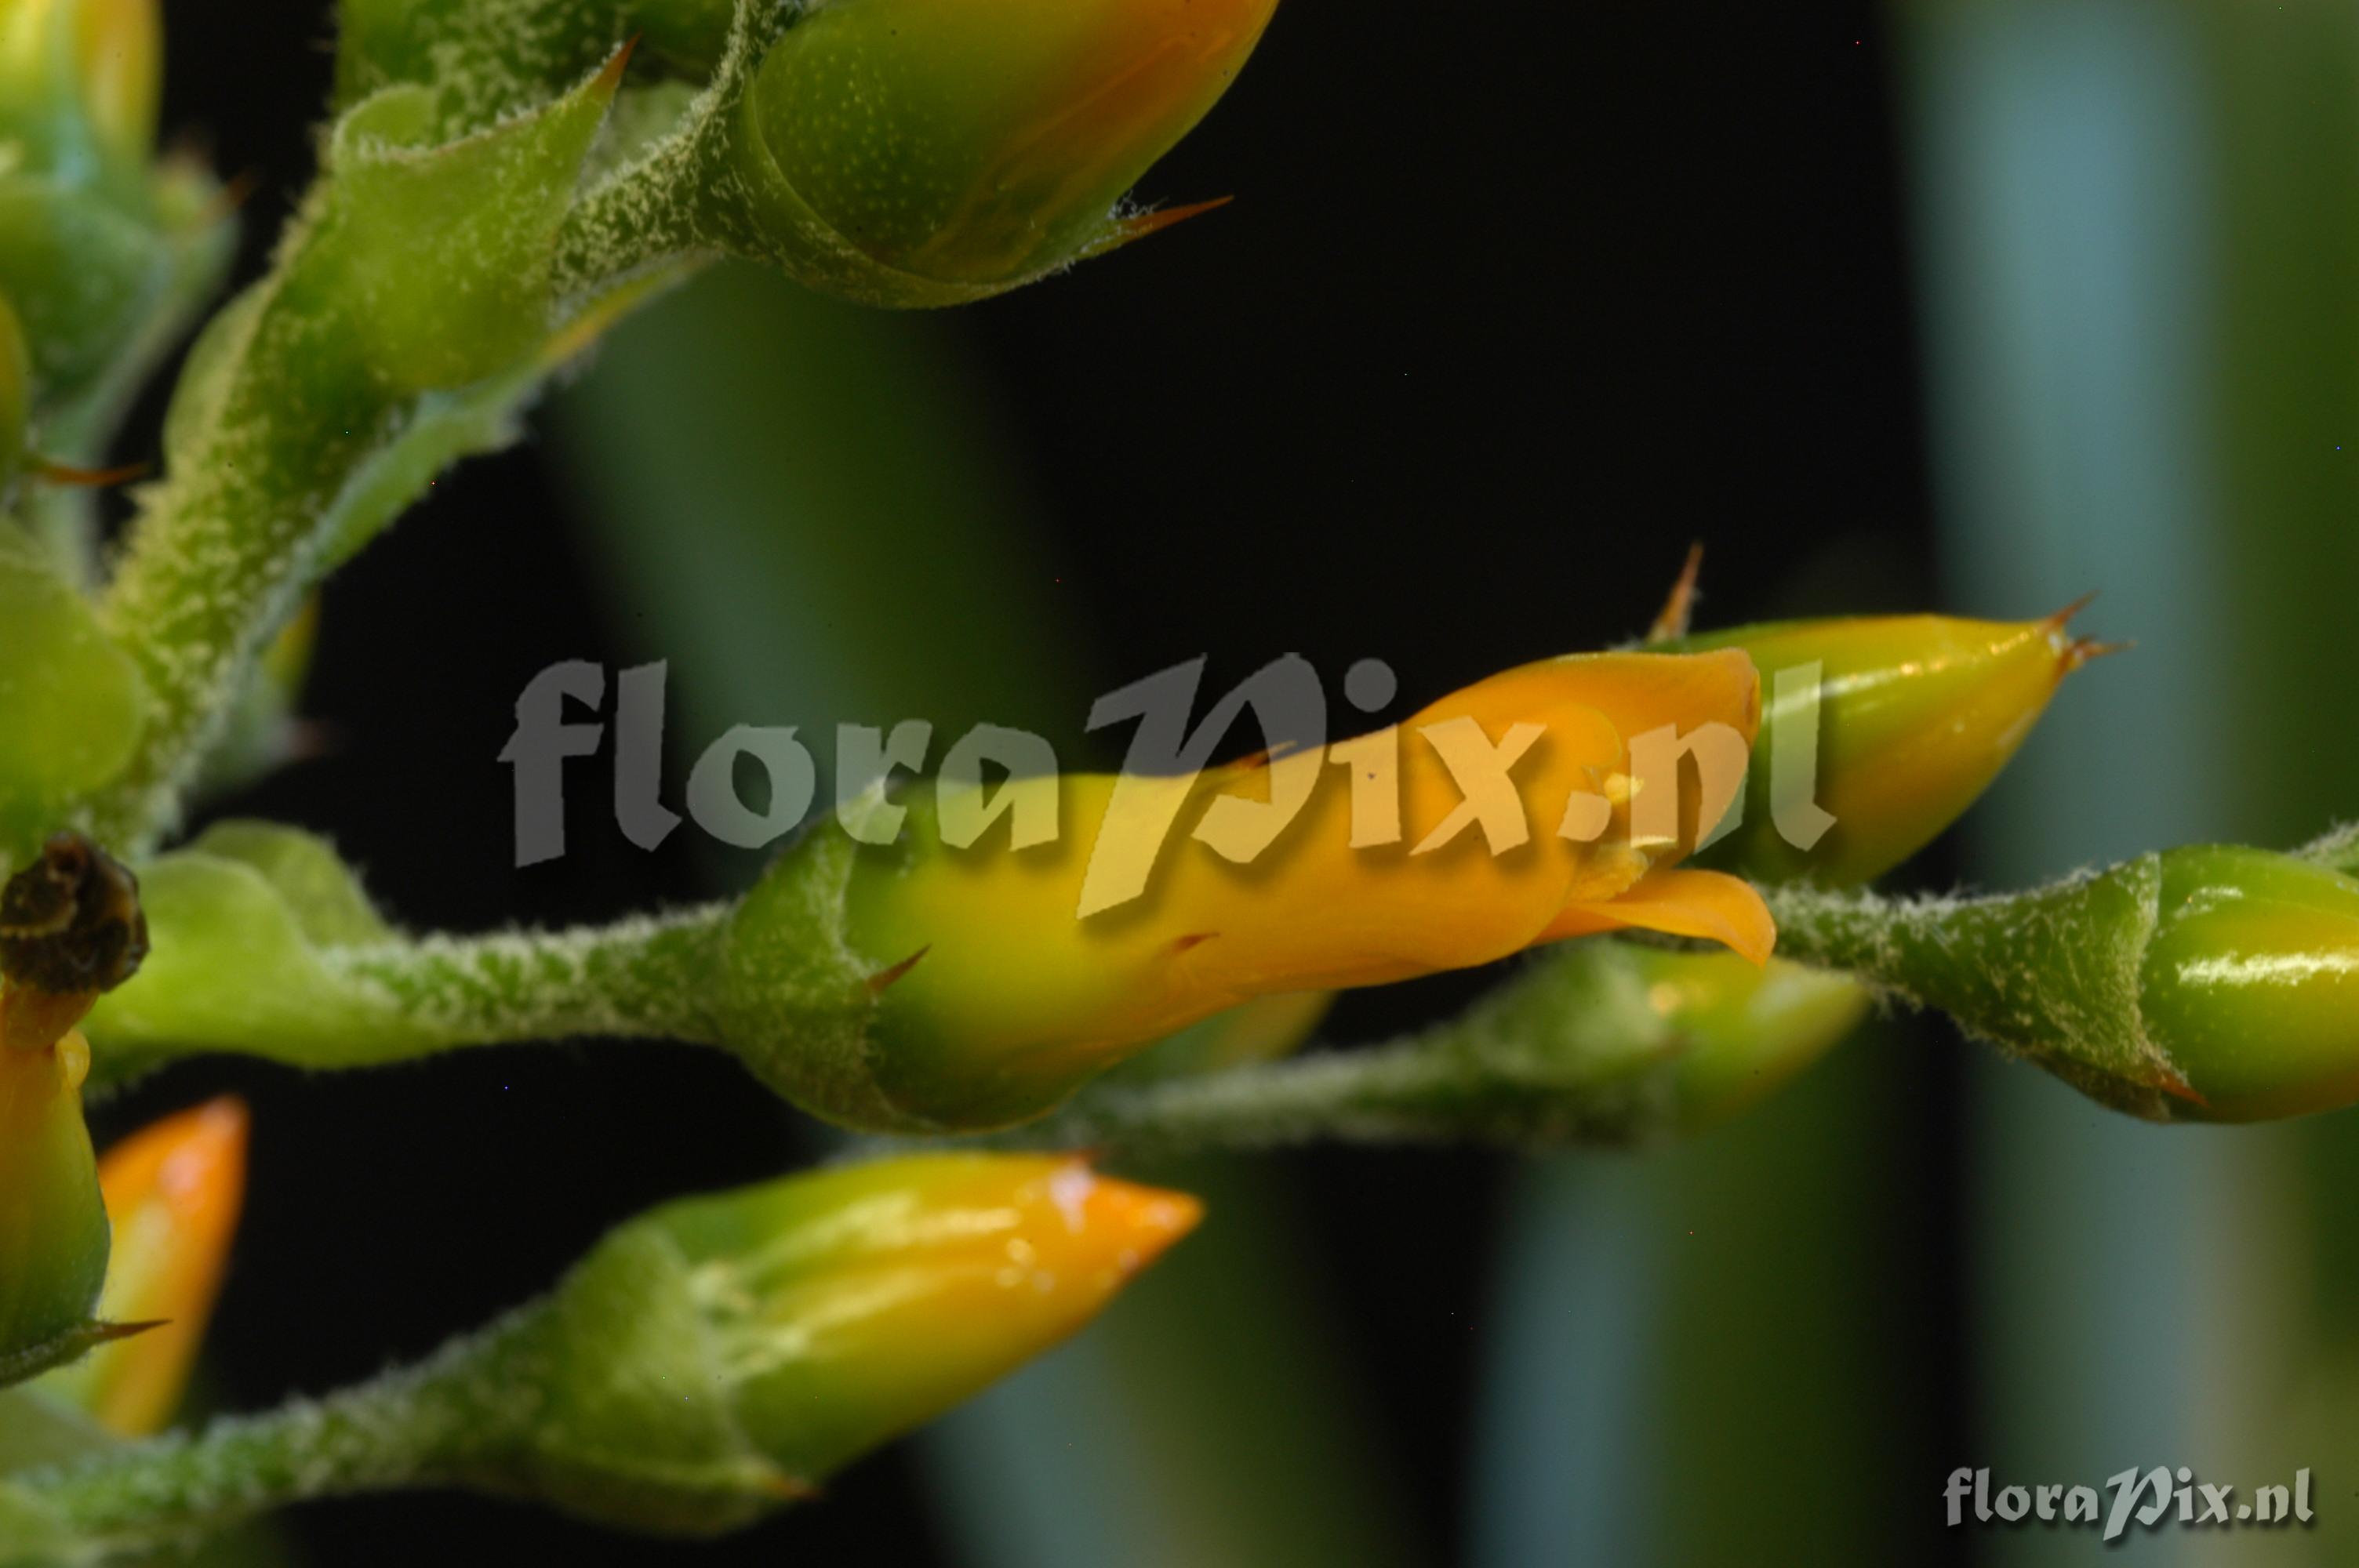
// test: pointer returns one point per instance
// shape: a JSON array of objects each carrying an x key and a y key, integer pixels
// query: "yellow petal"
[
  {"x": 1711, "y": 905},
  {"x": 1636, "y": 692}
]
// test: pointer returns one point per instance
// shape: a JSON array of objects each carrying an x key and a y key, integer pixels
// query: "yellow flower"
[
  {"x": 1516, "y": 812},
  {"x": 173, "y": 1192}
]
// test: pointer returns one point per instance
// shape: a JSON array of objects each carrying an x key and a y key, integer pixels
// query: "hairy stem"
[
  {"x": 447, "y": 1421},
  {"x": 641, "y": 979}
]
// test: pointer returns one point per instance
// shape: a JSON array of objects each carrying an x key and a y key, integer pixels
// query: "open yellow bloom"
[
  {"x": 1515, "y": 812},
  {"x": 173, "y": 1191}
]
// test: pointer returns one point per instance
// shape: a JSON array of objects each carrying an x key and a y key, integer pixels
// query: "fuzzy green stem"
[
  {"x": 645, "y": 978},
  {"x": 344, "y": 1007},
  {"x": 447, "y": 1422}
]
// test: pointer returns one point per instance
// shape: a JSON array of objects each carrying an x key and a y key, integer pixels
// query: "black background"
[{"x": 1516, "y": 302}]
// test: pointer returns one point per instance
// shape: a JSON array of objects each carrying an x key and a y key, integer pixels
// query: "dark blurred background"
[{"x": 1974, "y": 307}]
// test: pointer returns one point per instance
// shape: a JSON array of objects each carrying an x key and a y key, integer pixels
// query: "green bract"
[
  {"x": 918, "y": 152},
  {"x": 244, "y": 924}
]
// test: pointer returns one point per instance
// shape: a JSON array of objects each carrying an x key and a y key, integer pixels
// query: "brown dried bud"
[{"x": 70, "y": 922}]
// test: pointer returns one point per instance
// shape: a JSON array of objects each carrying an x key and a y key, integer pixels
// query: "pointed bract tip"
[
  {"x": 2172, "y": 1082},
  {"x": 1678, "y": 609},
  {"x": 883, "y": 981},
  {"x": 233, "y": 195},
  {"x": 1138, "y": 225},
  {"x": 610, "y": 76},
  {"x": 2087, "y": 650},
  {"x": 115, "y": 1333},
  {"x": 2063, "y": 618}
]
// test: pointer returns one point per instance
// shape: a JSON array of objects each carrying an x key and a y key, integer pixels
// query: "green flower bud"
[
  {"x": 86, "y": 273},
  {"x": 925, "y": 152},
  {"x": 723, "y": 1354},
  {"x": 2200, "y": 984},
  {"x": 92, "y": 254},
  {"x": 2251, "y": 984},
  {"x": 1914, "y": 716},
  {"x": 1741, "y": 1032}
]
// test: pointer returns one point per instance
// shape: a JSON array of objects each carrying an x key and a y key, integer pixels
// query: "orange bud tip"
[
  {"x": 2170, "y": 1081},
  {"x": 90, "y": 478},
  {"x": 1678, "y": 609},
  {"x": 218, "y": 1128},
  {"x": 1138, "y": 225},
  {"x": 885, "y": 980},
  {"x": 1140, "y": 1223}
]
